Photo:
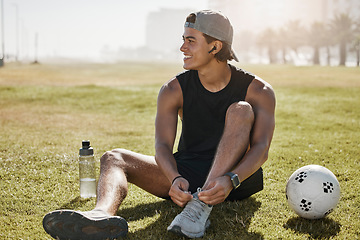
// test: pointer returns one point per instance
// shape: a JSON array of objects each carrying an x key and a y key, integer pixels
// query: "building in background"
[
  {"x": 164, "y": 30},
  {"x": 163, "y": 38}
]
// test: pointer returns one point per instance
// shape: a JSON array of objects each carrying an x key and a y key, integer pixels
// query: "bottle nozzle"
[{"x": 85, "y": 143}]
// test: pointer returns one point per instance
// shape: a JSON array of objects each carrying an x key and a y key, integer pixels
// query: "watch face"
[{"x": 235, "y": 181}]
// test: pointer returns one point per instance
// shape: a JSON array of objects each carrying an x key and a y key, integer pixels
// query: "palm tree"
[
  {"x": 283, "y": 43},
  {"x": 318, "y": 37},
  {"x": 315, "y": 38},
  {"x": 356, "y": 48},
  {"x": 356, "y": 43},
  {"x": 268, "y": 39},
  {"x": 342, "y": 31}
]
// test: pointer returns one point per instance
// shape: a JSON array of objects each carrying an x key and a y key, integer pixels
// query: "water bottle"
[{"x": 87, "y": 171}]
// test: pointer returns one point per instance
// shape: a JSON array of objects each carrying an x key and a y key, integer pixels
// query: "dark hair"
[{"x": 225, "y": 52}]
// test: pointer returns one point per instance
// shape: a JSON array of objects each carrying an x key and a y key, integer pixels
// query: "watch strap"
[
  {"x": 230, "y": 174},
  {"x": 234, "y": 179}
]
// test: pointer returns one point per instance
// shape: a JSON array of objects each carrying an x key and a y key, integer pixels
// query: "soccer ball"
[{"x": 312, "y": 191}]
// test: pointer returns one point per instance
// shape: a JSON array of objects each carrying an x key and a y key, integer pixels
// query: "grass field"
[{"x": 46, "y": 110}]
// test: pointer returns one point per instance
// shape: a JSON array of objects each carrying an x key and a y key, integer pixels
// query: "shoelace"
[{"x": 194, "y": 209}]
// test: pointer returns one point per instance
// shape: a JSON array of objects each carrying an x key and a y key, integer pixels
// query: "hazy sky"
[{"x": 80, "y": 27}]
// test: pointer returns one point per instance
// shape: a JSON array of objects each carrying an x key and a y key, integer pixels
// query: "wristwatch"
[{"x": 234, "y": 179}]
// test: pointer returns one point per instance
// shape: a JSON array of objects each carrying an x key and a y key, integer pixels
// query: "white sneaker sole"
[
  {"x": 177, "y": 230},
  {"x": 67, "y": 224}
]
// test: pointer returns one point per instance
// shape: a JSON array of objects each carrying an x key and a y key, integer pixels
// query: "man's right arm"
[{"x": 168, "y": 105}]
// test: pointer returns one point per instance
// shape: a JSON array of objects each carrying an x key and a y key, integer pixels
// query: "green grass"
[{"x": 46, "y": 110}]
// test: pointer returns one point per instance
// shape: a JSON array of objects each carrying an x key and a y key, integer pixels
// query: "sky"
[{"x": 79, "y": 28}]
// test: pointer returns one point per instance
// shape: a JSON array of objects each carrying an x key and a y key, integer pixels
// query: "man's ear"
[{"x": 218, "y": 45}]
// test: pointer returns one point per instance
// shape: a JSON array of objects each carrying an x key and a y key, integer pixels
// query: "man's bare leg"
[
  {"x": 235, "y": 139},
  {"x": 117, "y": 168},
  {"x": 120, "y": 166}
]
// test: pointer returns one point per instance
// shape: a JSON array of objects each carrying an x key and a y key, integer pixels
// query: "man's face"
[{"x": 195, "y": 49}]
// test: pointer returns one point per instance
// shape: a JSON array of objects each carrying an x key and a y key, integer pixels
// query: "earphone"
[{"x": 214, "y": 48}]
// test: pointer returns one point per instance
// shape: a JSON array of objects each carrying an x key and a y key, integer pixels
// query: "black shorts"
[{"x": 195, "y": 168}]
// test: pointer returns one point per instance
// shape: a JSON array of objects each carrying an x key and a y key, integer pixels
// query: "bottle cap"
[{"x": 86, "y": 148}]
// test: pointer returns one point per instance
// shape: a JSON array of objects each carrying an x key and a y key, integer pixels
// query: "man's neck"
[{"x": 216, "y": 76}]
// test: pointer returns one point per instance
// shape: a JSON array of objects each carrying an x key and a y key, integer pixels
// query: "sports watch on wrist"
[{"x": 234, "y": 179}]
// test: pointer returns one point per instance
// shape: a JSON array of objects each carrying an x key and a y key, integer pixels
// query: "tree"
[
  {"x": 268, "y": 39},
  {"x": 283, "y": 43},
  {"x": 318, "y": 36},
  {"x": 342, "y": 30},
  {"x": 356, "y": 43}
]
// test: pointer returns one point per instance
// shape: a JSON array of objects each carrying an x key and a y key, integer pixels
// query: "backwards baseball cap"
[{"x": 214, "y": 24}]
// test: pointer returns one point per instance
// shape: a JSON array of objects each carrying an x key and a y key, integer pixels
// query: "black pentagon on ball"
[
  {"x": 328, "y": 187},
  {"x": 300, "y": 177},
  {"x": 305, "y": 205}
]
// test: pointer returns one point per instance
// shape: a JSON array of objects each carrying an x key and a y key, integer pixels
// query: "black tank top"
[{"x": 204, "y": 111}]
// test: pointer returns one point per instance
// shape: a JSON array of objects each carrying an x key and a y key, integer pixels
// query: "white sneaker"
[{"x": 193, "y": 220}]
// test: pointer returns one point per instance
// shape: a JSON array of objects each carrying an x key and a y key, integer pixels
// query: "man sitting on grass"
[{"x": 227, "y": 125}]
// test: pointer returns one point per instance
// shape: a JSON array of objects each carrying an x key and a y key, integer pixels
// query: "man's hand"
[
  {"x": 179, "y": 192},
  {"x": 216, "y": 191}
]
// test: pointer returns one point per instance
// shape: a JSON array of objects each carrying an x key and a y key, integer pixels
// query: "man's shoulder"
[
  {"x": 171, "y": 85},
  {"x": 260, "y": 91},
  {"x": 171, "y": 90},
  {"x": 177, "y": 83},
  {"x": 170, "y": 94},
  {"x": 260, "y": 84}
]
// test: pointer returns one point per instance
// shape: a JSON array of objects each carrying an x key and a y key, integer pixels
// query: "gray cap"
[{"x": 214, "y": 24}]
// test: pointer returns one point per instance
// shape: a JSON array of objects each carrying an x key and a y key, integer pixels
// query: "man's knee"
[
  {"x": 240, "y": 111},
  {"x": 116, "y": 158}
]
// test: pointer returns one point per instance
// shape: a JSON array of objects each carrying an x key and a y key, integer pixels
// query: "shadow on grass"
[
  {"x": 76, "y": 203},
  {"x": 324, "y": 228},
  {"x": 228, "y": 220}
]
